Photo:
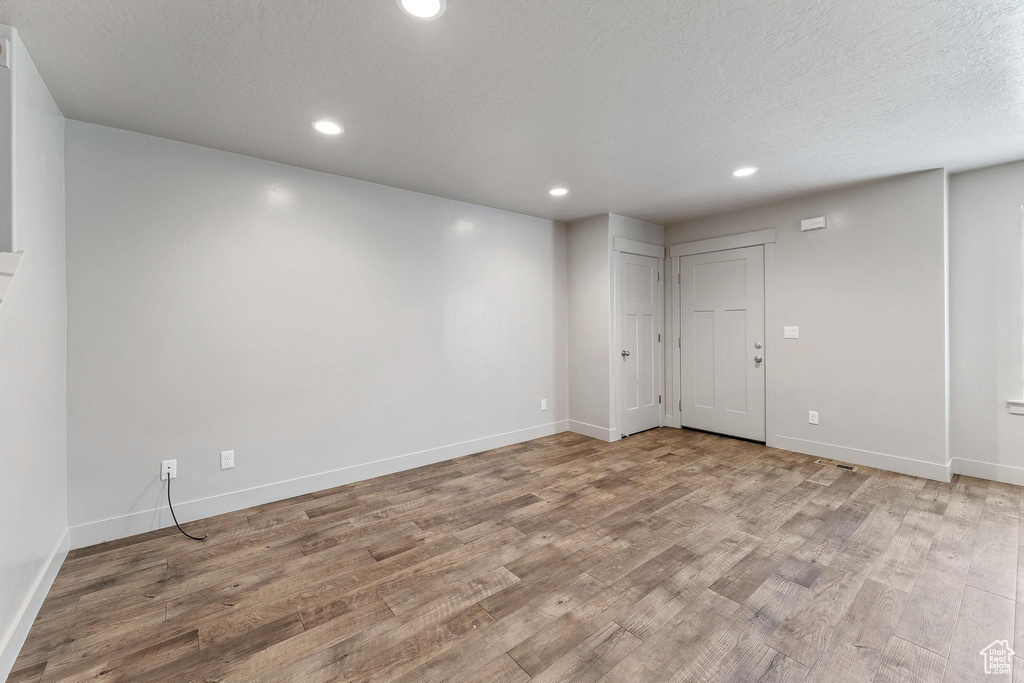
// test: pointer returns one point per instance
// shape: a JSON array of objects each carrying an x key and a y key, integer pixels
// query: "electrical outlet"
[
  {"x": 168, "y": 469},
  {"x": 812, "y": 417},
  {"x": 227, "y": 460},
  {"x": 543, "y": 404}
]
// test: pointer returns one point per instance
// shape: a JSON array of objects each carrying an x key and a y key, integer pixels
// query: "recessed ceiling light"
[
  {"x": 744, "y": 172},
  {"x": 423, "y": 9},
  {"x": 558, "y": 192},
  {"x": 328, "y": 127}
]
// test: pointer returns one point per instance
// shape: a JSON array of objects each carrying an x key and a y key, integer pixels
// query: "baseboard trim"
[
  {"x": 18, "y": 632},
  {"x": 102, "y": 530},
  {"x": 1006, "y": 474},
  {"x": 593, "y": 431},
  {"x": 856, "y": 456}
]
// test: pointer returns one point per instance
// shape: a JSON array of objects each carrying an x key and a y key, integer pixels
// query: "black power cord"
[{"x": 175, "y": 518}]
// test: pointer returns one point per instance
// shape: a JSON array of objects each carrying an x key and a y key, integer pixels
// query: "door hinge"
[
  {"x": 659, "y": 276},
  {"x": 659, "y": 398},
  {"x": 680, "y": 406},
  {"x": 659, "y": 337},
  {"x": 679, "y": 342},
  {"x": 679, "y": 278}
]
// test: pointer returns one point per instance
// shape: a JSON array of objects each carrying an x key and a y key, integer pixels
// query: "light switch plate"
[{"x": 791, "y": 332}]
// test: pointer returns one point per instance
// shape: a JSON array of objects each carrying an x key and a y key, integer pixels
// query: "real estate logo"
[{"x": 998, "y": 658}]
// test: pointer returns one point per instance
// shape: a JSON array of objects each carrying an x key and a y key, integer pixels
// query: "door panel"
[
  {"x": 721, "y": 324},
  {"x": 704, "y": 358},
  {"x": 638, "y": 299}
]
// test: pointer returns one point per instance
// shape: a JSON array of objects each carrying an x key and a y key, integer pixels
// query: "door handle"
[
  {"x": 758, "y": 359},
  {"x": 625, "y": 353}
]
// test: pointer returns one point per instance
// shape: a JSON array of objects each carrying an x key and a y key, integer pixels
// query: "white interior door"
[
  {"x": 638, "y": 293},
  {"x": 721, "y": 325}
]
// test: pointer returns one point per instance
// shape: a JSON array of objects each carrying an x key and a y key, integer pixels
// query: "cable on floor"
[{"x": 175, "y": 518}]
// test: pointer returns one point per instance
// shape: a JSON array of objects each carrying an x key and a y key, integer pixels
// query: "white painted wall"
[
  {"x": 317, "y": 325},
  {"x": 986, "y": 327},
  {"x": 590, "y": 311},
  {"x": 633, "y": 229},
  {"x": 868, "y": 294},
  {"x": 6, "y": 143},
  {"x": 33, "y": 319},
  {"x": 593, "y": 356}
]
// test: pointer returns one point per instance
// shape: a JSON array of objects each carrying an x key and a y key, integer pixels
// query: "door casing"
[{"x": 772, "y": 336}]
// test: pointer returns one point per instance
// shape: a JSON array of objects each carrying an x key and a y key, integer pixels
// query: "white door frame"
[
  {"x": 747, "y": 239},
  {"x": 626, "y": 246}
]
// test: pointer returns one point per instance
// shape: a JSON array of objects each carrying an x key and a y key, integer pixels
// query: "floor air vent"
[{"x": 833, "y": 463}]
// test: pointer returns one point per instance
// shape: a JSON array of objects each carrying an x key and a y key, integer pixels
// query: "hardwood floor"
[{"x": 669, "y": 556}]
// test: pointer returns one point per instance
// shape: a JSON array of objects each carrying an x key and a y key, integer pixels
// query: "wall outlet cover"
[
  {"x": 543, "y": 404},
  {"x": 227, "y": 460},
  {"x": 812, "y": 417},
  {"x": 168, "y": 469}
]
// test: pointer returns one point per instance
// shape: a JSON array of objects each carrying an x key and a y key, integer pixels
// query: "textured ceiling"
[{"x": 639, "y": 107}]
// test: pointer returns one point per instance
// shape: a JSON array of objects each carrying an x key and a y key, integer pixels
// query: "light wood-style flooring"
[{"x": 669, "y": 556}]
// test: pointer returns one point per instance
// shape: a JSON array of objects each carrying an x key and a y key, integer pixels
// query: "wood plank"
[
  {"x": 904, "y": 662},
  {"x": 855, "y": 650},
  {"x": 934, "y": 604},
  {"x": 592, "y": 658},
  {"x": 983, "y": 619}
]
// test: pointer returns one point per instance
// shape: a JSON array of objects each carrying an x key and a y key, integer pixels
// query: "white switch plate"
[
  {"x": 812, "y": 417},
  {"x": 543, "y": 404},
  {"x": 168, "y": 469},
  {"x": 227, "y": 460},
  {"x": 791, "y": 332}
]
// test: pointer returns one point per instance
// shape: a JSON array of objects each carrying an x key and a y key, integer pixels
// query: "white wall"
[
  {"x": 33, "y": 319},
  {"x": 986, "y": 327},
  {"x": 868, "y": 294},
  {"x": 633, "y": 229},
  {"x": 593, "y": 358},
  {"x": 590, "y": 313},
  {"x": 317, "y": 325},
  {"x": 6, "y": 144}
]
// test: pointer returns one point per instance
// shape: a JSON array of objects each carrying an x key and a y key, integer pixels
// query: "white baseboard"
[
  {"x": 15, "y": 638},
  {"x": 102, "y": 530},
  {"x": 882, "y": 461},
  {"x": 1006, "y": 474},
  {"x": 593, "y": 431}
]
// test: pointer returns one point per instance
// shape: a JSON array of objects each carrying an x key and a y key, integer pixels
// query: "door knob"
[
  {"x": 758, "y": 359},
  {"x": 625, "y": 353}
]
